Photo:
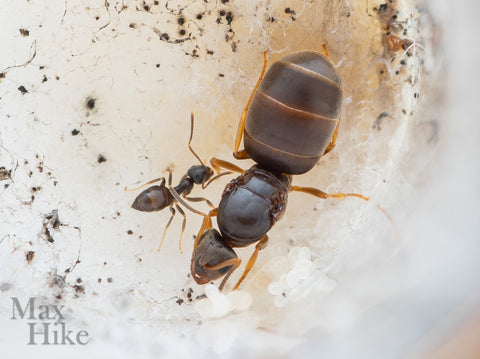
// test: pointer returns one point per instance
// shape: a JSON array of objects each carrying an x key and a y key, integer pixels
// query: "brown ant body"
[
  {"x": 290, "y": 121},
  {"x": 158, "y": 197}
]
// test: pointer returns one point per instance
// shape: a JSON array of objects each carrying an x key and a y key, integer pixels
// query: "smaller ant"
[{"x": 158, "y": 197}]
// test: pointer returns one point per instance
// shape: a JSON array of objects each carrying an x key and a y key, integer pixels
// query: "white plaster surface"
[{"x": 337, "y": 277}]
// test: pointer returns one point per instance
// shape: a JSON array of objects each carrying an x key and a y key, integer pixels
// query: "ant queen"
[{"x": 291, "y": 120}]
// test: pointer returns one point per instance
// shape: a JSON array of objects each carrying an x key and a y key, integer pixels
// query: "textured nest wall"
[{"x": 96, "y": 96}]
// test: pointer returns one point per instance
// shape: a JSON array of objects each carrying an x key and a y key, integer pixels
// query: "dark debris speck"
[
  {"x": 229, "y": 17},
  {"x": 90, "y": 103},
  {"x": 79, "y": 289},
  {"x": 29, "y": 256},
  {"x": 101, "y": 158}
]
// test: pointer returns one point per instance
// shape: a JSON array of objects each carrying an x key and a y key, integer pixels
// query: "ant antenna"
[
  {"x": 143, "y": 185},
  {"x": 190, "y": 140}
]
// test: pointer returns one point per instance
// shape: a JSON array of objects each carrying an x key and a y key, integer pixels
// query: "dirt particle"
[
  {"x": 109, "y": 279},
  {"x": 5, "y": 174},
  {"x": 22, "y": 89},
  {"x": 180, "y": 301},
  {"x": 90, "y": 103},
  {"x": 75, "y": 132},
  {"x": 52, "y": 219},
  {"x": 29, "y": 256},
  {"x": 229, "y": 17},
  {"x": 101, "y": 158},
  {"x": 79, "y": 289},
  {"x": 24, "y": 32},
  {"x": 130, "y": 232},
  {"x": 378, "y": 121}
]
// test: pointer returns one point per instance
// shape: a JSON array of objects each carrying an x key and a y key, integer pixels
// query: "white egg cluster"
[{"x": 300, "y": 280}]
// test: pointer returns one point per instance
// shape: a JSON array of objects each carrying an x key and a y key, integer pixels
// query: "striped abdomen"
[{"x": 294, "y": 113}]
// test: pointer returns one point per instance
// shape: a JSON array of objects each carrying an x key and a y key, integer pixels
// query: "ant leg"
[
  {"x": 169, "y": 170},
  {"x": 234, "y": 262},
  {"x": 325, "y": 51},
  {"x": 166, "y": 227},
  {"x": 200, "y": 199},
  {"x": 217, "y": 164},
  {"x": 146, "y": 184},
  {"x": 207, "y": 223},
  {"x": 241, "y": 155},
  {"x": 179, "y": 199},
  {"x": 251, "y": 262},
  {"x": 204, "y": 185},
  {"x": 331, "y": 145},
  {"x": 316, "y": 192},
  {"x": 180, "y": 210}
]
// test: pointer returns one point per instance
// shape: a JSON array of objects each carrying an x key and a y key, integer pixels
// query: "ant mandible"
[{"x": 290, "y": 121}]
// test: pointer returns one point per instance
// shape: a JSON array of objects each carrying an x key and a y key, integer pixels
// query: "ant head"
[{"x": 200, "y": 173}]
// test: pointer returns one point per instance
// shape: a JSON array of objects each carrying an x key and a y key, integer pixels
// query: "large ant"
[{"x": 290, "y": 121}]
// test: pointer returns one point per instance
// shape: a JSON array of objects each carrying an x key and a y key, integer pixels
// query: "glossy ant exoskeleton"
[
  {"x": 158, "y": 197},
  {"x": 290, "y": 121}
]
